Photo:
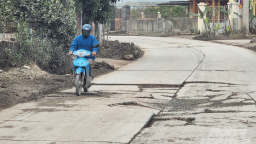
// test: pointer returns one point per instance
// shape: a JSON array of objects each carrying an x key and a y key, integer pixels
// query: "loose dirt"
[
  {"x": 118, "y": 50},
  {"x": 22, "y": 87},
  {"x": 224, "y": 36}
]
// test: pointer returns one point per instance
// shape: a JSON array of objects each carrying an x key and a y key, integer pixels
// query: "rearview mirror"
[{"x": 95, "y": 46}]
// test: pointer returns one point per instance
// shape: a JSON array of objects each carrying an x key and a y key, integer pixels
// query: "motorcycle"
[{"x": 82, "y": 71}]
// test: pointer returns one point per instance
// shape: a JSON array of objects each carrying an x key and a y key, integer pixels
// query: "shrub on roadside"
[{"x": 54, "y": 24}]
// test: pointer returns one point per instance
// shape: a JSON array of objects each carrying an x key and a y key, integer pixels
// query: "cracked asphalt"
[{"x": 180, "y": 91}]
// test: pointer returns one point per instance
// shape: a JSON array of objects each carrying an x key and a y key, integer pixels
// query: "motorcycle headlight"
[{"x": 80, "y": 54}]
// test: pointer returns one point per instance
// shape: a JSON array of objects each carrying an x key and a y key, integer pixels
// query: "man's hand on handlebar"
[
  {"x": 70, "y": 52},
  {"x": 94, "y": 54}
]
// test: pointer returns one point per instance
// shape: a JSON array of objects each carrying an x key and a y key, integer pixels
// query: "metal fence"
[{"x": 216, "y": 17}]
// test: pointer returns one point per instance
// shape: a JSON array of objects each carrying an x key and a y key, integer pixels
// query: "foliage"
[
  {"x": 166, "y": 12},
  {"x": 218, "y": 27},
  {"x": 28, "y": 50},
  {"x": 238, "y": 14},
  {"x": 251, "y": 15},
  {"x": 54, "y": 22},
  {"x": 227, "y": 14},
  {"x": 215, "y": 29},
  {"x": 202, "y": 15},
  {"x": 5, "y": 9},
  {"x": 50, "y": 18},
  {"x": 97, "y": 10}
]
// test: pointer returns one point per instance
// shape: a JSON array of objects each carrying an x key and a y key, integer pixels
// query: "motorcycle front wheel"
[
  {"x": 78, "y": 85},
  {"x": 85, "y": 89}
]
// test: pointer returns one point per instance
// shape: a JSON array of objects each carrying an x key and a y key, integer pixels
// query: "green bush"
[{"x": 54, "y": 24}]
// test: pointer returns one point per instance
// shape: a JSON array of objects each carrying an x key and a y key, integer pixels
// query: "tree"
[
  {"x": 54, "y": 22},
  {"x": 100, "y": 11},
  {"x": 96, "y": 10},
  {"x": 54, "y": 19}
]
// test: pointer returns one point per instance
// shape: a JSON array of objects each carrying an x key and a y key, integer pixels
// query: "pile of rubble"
[
  {"x": 31, "y": 71},
  {"x": 121, "y": 51}
]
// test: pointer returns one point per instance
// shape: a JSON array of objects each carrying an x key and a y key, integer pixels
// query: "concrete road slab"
[
  {"x": 171, "y": 60},
  {"x": 249, "y": 102},
  {"x": 243, "y": 96},
  {"x": 211, "y": 128},
  {"x": 159, "y": 90},
  {"x": 54, "y": 142},
  {"x": 87, "y": 120},
  {"x": 204, "y": 90},
  {"x": 175, "y": 78},
  {"x": 162, "y": 96},
  {"x": 205, "y": 104},
  {"x": 236, "y": 78},
  {"x": 107, "y": 88},
  {"x": 244, "y": 108},
  {"x": 252, "y": 95},
  {"x": 222, "y": 96},
  {"x": 233, "y": 101},
  {"x": 115, "y": 87}
]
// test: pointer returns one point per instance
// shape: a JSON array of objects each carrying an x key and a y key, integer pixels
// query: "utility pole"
[{"x": 246, "y": 15}]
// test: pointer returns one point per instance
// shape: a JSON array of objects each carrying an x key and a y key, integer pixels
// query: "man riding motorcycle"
[{"x": 86, "y": 42}]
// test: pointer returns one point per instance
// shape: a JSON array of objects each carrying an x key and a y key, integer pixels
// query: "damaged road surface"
[{"x": 180, "y": 91}]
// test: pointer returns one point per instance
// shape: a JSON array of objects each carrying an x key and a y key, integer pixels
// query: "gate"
[{"x": 216, "y": 17}]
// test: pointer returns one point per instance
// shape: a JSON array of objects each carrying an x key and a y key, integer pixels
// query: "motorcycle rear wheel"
[{"x": 78, "y": 85}]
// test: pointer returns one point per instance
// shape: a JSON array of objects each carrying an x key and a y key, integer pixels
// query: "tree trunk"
[{"x": 206, "y": 29}]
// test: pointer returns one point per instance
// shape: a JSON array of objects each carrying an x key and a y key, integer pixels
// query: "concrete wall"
[
  {"x": 235, "y": 24},
  {"x": 10, "y": 45},
  {"x": 141, "y": 25},
  {"x": 162, "y": 24},
  {"x": 184, "y": 24},
  {"x": 7, "y": 37}
]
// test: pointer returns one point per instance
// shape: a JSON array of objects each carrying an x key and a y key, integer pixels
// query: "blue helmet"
[{"x": 87, "y": 27}]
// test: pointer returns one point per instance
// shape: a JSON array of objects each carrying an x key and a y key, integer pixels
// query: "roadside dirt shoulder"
[{"x": 244, "y": 43}]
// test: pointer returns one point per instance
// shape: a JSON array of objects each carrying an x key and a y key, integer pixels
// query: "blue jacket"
[{"x": 80, "y": 42}]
